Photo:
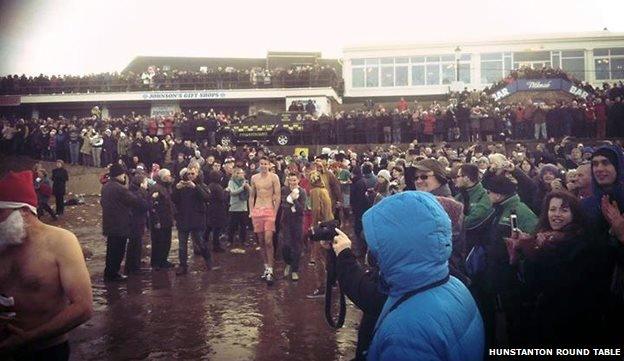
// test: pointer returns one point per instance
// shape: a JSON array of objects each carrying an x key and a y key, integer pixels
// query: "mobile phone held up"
[{"x": 513, "y": 219}]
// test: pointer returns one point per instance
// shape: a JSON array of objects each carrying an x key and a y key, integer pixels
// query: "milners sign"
[{"x": 540, "y": 85}]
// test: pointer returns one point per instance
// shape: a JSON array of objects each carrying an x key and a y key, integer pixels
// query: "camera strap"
[{"x": 329, "y": 284}]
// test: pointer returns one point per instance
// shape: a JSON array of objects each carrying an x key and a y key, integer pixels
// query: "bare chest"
[{"x": 28, "y": 273}]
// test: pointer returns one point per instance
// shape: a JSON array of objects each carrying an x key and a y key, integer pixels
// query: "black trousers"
[
  {"x": 58, "y": 352},
  {"x": 292, "y": 236},
  {"x": 133, "y": 254},
  {"x": 60, "y": 203},
  {"x": 238, "y": 221},
  {"x": 161, "y": 245},
  {"x": 215, "y": 232},
  {"x": 115, "y": 249}
]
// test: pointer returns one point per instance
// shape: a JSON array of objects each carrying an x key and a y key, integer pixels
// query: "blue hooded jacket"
[{"x": 409, "y": 234}]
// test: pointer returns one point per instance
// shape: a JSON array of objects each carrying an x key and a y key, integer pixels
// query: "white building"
[{"x": 430, "y": 68}]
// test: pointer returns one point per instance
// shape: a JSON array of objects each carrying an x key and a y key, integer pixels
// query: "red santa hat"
[{"x": 17, "y": 191}]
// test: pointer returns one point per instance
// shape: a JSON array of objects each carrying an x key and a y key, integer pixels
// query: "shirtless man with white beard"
[
  {"x": 44, "y": 281},
  {"x": 264, "y": 201}
]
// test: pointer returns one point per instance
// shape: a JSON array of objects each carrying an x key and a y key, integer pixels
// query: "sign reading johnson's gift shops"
[
  {"x": 184, "y": 95},
  {"x": 540, "y": 85}
]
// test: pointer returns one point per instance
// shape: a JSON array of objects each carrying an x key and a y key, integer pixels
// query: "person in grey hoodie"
[{"x": 238, "y": 188}]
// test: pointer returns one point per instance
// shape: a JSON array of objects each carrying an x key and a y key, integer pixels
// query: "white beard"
[{"x": 12, "y": 230}]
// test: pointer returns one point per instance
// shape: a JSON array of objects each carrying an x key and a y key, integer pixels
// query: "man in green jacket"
[
  {"x": 477, "y": 205},
  {"x": 495, "y": 285}
]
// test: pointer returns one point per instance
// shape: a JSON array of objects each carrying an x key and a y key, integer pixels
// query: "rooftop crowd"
[
  {"x": 155, "y": 78},
  {"x": 527, "y": 72}
]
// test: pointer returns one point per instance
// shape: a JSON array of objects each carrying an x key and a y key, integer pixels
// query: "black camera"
[{"x": 325, "y": 231}]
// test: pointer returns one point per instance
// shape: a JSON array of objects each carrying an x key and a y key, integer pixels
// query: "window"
[
  {"x": 602, "y": 69},
  {"x": 357, "y": 77},
  {"x": 464, "y": 73},
  {"x": 387, "y": 76},
  {"x": 491, "y": 71},
  {"x": 574, "y": 67},
  {"x": 400, "y": 76},
  {"x": 491, "y": 56},
  {"x": 372, "y": 76},
  {"x": 357, "y": 61},
  {"x": 448, "y": 73},
  {"x": 418, "y": 75},
  {"x": 617, "y": 68},
  {"x": 433, "y": 74},
  {"x": 609, "y": 63},
  {"x": 556, "y": 59}
]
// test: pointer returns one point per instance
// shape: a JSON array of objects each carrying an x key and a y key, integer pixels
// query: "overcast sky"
[{"x": 84, "y": 36}]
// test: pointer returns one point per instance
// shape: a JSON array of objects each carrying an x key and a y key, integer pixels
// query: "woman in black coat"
[
  {"x": 218, "y": 204},
  {"x": 557, "y": 263}
]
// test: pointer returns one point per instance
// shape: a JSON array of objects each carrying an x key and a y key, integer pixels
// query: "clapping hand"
[{"x": 611, "y": 212}]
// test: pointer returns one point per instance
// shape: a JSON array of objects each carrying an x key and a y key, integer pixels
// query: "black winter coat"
[
  {"x": 218, "y": 204},
  {"x": 59, "y": 179},
  {"x": 191, "y": 206},
  {"x": 162, "y": 209},
  {"x": 118, "y": 204}
]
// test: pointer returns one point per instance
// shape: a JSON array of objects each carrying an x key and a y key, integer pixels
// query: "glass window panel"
[
  {"x": 602, "y": 69},
  {"x": 574, "y": 67},
  {"x": 401, "y": 60},
  {"x": 372, "y": 61},
  {"x": 601, "y": 52},
  {"x": 433, "y": 59},
  {"x": 387, "y": 76},
  {"x": 357, "y": 61},
  {"x": 532, "y": 56},
  {"x": 491, "y": 56},
  {"x": 617, "y": 51},
  {"x": 555, "y": 61},
  {"x": 447, "y": 57},
  {"x": 507, "y": 64},
  {"x": 357, "y": 77},
  {"x": 400, "y": 76},
  {"x": 464, "y": 73},
  {"x": 491, "y": 71},
  {"x": 433, "y": 74},
  {"x": 617, "y": 68},
  {"x": 448, "y": 73},
  {"x": 372, "y": 76},
  {"x": 418, "y": 75},
  {"x": 465, "y": 57},
  {"x": 418, "y": 59},
  {"x": 387, "y": 60},
  {"x": 572, "y": 54}
]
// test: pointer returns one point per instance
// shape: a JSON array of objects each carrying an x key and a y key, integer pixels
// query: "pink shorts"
[{"x": 263, "y": 219}]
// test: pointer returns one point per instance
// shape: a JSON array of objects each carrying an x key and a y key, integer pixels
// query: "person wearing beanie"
[
  {"x": 494, "y": 281},
  {"x": 432, "y": 177},
  {"x": 30, "y": 249},
  {"x": 603, "y": 215},
  {"x": 360, "y": 203},
  {"x": 549, "y": 179},
  {"x": 119, "y": 205}
]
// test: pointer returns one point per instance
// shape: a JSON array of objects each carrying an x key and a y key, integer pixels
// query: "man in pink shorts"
[{"x": 264, "y": 201}]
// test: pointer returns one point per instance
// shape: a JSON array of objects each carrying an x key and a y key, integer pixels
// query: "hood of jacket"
[{"x": 409, "y": 234}]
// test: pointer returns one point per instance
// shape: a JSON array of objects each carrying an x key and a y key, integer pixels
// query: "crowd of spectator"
[
  {"x": 527, "y": 72},
  {"x": 155, "y": 78}
]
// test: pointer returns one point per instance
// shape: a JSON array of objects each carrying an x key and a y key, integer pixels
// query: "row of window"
[{"x": 441, "y": 69}]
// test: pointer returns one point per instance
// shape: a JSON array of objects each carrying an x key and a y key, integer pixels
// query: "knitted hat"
[
  {"x": 116, "y": 170},
  {"x": 551, "y": 168},
  {"x": 607, "y": 153},
  {"x": 500, "y": 184},
  {"x": 432, "y": 165},
  {"x": 17, "y": 191}
]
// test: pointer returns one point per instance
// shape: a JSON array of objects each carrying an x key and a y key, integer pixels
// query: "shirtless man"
[
  {"x": 42, "y": 269},
  {"x": 264, "y": 201}
]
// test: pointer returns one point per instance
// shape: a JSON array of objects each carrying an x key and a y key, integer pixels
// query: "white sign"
[
  {"x": 538, "y": 85},
  {"x": 165, "y": 109},
  {"x": 184, "y": 95},
  {"x": 321, "y": 104}
]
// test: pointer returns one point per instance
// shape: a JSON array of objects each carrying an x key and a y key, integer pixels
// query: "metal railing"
[{"x": 198, "y": 83}]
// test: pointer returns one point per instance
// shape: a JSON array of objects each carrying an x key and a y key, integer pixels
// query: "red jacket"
[{"x": 429, "y": 122}]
